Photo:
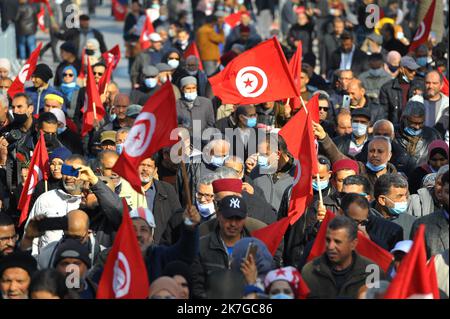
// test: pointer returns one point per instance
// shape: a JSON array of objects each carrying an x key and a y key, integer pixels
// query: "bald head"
[
  {"x": 78, "y": 223},
  {"x": 121, "y": 103},
  {"x": 107, "y": 161},
  {"x": 220, "y": 148},
  {"x": 393, "y": 58},
  {"x": 384, "y": 128}
]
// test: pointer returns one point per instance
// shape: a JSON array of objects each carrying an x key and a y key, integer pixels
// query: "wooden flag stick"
[
  {"x": 187, "y": 190},
  {"x": 46, "y": 185},
  {"x": 95, "y": 111}
]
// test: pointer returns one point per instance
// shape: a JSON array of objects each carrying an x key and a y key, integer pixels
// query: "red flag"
[
  {"x": 234, "y": 19},
  {"x": 412, "y": 280},
  {"x": 105, "y": 79},
  {"x": 119, "y": 10},
  {"x": 193, "y": 50},
  {"x": 423, "y": 31},
  {"x": 313, "y": 108},
  {"x": 144, "y": 39},
  {"x": 272, "y": 234},
  {"x": 295, "y": 66},
  {"x": 444, "y": 88},
  {"x": 93, "y": 108},
  {"x": 112, "y": 56},
  {"x": 319, "y": 245},
  {"x": 365, "y": 247},
  {"x": 40, "y": 19},
  {"x": 150, "y": 132},
  {"x": 82, "y": 74},
  {"x": 124, "y": 275},
  {"x": 38, "y": 170},
  {"x": 303, "y": 289},
  {"x": 256, "y": 76},
  {"x": 299, "y": 137},
  {"x": 46, "y": 3},
  {"x": 372, "y": 251},
  {"x": 25, "y": 73}
]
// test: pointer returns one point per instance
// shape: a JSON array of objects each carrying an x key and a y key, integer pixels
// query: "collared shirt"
[
  {"x": 150, "y": 196},
  {"x": 346, "y": 60}
]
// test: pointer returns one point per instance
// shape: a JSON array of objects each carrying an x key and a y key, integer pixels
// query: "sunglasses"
[
  {"x": 323, "y": 108},
  {"x": 98, "y": 73},
  {"x": 68, "y": 74}
]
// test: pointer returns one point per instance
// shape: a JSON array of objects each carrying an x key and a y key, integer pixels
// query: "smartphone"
[
  {"x": 69, "y": 170},
  {"x": 251, "y": 250},
  {"x": 346, "y": 101},
  {"x": 52, "y": 223}
]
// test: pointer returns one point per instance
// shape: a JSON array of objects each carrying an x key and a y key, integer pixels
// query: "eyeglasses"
[
  {"x": 323, "y": 108},
  {"x": 10, "y": 238},
  {"x": 207, "y": 196},
  {"x": 98, "y": 73},
  {"x": 68, "y": 74}
]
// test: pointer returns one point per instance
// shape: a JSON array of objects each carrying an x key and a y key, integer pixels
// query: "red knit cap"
[
  {"x": 345, "y": 163},
  {"x": 227, "y": 185}
]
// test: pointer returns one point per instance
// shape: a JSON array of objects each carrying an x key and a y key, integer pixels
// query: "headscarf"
[
  {"x": 264, "y": 259},
  {"x": 165, "y": 283},
  {"x": 96, "y": 47},
  {"x": 68, "y": 88}
]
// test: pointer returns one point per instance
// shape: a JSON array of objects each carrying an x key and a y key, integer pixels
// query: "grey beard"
[{"x": 72, "y": 189}]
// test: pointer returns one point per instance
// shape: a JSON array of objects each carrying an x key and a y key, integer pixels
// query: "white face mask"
[
  {"x": 206, "y": 210},
  {"x": 173, "y": 63}
]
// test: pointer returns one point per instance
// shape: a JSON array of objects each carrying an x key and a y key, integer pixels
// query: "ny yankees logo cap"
[{"x": 233, "y": 206}]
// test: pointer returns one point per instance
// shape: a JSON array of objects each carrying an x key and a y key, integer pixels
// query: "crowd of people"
[{"x": 382, "y": 140}]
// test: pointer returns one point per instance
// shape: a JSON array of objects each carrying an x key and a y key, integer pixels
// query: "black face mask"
[
  {"x": 51, "y": 141},
  {"x": 89, "y": 51},
  {"x": 19, "y": 120}
]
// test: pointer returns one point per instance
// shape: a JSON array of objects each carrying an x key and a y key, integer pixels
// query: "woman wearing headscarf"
[
  {"x": 69, "y": 88},
  {"x": 92, "y": 50},
  {"x": 285, "y": 283},
  {"x": 437, "y": 157},
  {"x": 182, "y": 274},
  {"x": 164, "y": 288}
]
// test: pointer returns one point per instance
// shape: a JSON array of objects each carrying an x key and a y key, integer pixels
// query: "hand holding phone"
[
  {"x": 251, "y": 250},
  {"x": 52, "y": 223}
]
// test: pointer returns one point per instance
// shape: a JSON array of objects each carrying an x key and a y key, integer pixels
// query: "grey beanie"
[{"x": 188, "y": 80}]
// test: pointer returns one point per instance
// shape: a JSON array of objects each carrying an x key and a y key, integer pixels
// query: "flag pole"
[
  {"x": 317, "y": 175},
  {"x": 95, "y": 111},
  {"x": 187, "y": 190},
  {"x": 46, "y": 185}
]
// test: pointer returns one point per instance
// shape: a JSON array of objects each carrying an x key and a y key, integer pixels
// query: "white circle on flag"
[
  {"x": 251, "y": 81},
  {"x": 36, "y": 176},
  {"x": 121, "y": 276},
  {"x": 140, "y": 135},
  {"x": 298, "y": 172},
  {"x": 24, "y": 73},
  {"x": 420, "y": 31}
]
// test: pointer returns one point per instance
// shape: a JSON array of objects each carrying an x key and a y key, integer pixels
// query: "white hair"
[
  {"x": 4, "y": 102},
  {"x": 382, "y": 138}
]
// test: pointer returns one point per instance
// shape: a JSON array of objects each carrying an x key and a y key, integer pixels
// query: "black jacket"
[
  {"x": 383, "y": 232},
  {"x": 142, "y": 94},
  {"x": 71, "y": 141},
  {"x": 359, "y": 61},
  {"x": 343, "y": 143},
  {"x": 212, "y": 257},
  {"x": 26, "y": 20},
  {"x": 303, "y": 33},
  {"x": 73, "y": 35},
  {"x": 391, "y": 100}
]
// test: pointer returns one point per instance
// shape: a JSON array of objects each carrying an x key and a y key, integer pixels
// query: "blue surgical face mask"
[
  {"x": 251, "y": 122},
  {"x": 399, "y": 207},
  {"x": 359, "y": 129},
  {"x": 119, "y": 148},
  {"x": 405, "y": 78},
  {"x": 281, "y": 296},
  {"x": 61, "y": 130},
  {"x": 263, "y": 161},
  {"x": 190, "y": 96},
  {"x": 393, "y": 69},
  {"x": 422, "y": 61},
  {"x": 218, "y": 161},
  {"x": 173, "y": 63},
  {"x": 320, "y": 185},
  {"x": 374, "y": 168},
  {"x": 206, "y": 210},
  {"x": 412, "y": 132},
  {"x": 150, "y": 82}
]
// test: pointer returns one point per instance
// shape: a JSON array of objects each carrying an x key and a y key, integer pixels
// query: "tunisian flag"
[
  {"x": 144, "y": 39},
  {"x": 119, "y": 9},
  {"x": 299, "y": 137},
  {"x": 423, "y": 31},
  {"x": 112, "y": 59},
  {"x": 93, "y": 108},
  {"x": 272, "y": 234},
  {"x": 256, "y": 76},
  {"x": 193, "y": 50},
  {"x": 414, "y": 277},
  {"x": 295, "y": 66},
  {"x": 444, "y": 88},
  {"x": 150, "y": 132},
  {"x": 38, "y": 170},
  {"x": 365, "y": 247},
  {"x": 25, "y": 73},
  {"x": 40, "y": 19},
  {"x": 124, "y": 275}
]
